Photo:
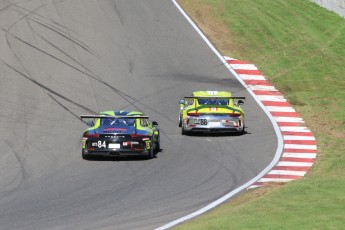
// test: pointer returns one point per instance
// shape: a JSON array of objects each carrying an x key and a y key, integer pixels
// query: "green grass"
[{"x": 300, "y": 48}]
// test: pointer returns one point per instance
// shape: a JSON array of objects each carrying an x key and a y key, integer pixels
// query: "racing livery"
[
  {"x": 211, "y": 112},
  {"x": 120, "y": 133}
]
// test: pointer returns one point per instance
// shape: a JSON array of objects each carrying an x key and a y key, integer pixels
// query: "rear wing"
[
  {"x": 186, "y": 100},
  {"x": 108, "y": 116},
  {"x": 215, "y": 97}
]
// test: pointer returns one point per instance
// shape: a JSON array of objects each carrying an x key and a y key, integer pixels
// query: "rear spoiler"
[
  {"x": 220, "y": 97},
  {"x": 108, "y": 116}
]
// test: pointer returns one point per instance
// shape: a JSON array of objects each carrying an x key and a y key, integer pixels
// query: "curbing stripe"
[
  {"x": 280, "y": 109},
  {"x": 251, "y": 77},
  {"x": 295, "y": 137},
  {"x": 244, "y": 67},
  {"x": 262, "y": 87},
  {"x": 300, "y": 148},
  {"x": 271, "y": 98},
  {"x": 266, "y": 180},
  {"x": 291, "y": 133},
  {"x": 285, "y": 114},
  {"x": 298, "y": 155},
  {"x": 263, "y": 92},
  {"x": 289, "y": 119},
  {"x": 300, "y": 141},
  {"x": 291, "y": 163},
  {"x": 297, "y": 159},
  {"x": 287, "y": 172}
]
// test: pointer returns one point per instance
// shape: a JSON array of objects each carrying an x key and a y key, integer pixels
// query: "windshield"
[
  {"x": 117, "y": 121},
  {"x": 213, "y": 101}
]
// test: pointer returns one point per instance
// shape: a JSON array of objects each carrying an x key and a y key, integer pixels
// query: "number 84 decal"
[{"x": 99, "y": 144}]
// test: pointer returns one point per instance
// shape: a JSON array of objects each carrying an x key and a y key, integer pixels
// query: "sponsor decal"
[
  {"x": 148, "y": 144},
  {"x": 114, "y": 129},
  {"x": 212, "y": 92}
]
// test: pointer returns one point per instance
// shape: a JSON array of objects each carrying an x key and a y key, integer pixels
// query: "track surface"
[{"x": 60, "y": 59}]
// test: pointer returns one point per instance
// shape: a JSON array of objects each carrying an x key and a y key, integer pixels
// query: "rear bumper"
[
  {"x": 214, "y": 130},
  {"x": 115, "y": 153},
  {"x": 213, "y": 124}
]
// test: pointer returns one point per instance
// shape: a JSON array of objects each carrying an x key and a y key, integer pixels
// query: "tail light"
[
  {"x": 193, "y": 114},
  {"x": 91, "y": 135},
  {"x": 140, "y": 136},
  {"x": 234, "y": 115}
]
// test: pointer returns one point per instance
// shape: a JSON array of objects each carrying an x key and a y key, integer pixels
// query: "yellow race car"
[{"x": 211, "y": 112}]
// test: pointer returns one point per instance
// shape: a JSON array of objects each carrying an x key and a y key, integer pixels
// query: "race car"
[
  {"x": 211, "y": 112},
  {"x": 120, "y": 133}
]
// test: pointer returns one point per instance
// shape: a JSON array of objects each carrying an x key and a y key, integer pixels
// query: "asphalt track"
[{"x": 60, "y": 59}]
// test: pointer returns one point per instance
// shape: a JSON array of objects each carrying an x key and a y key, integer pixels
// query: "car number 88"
[{"x": 201, "y": 121}]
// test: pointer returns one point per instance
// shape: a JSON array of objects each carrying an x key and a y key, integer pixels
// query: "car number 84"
[{"x": 99, "y": 144}]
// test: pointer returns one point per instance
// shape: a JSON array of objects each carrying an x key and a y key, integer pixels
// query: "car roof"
[{"x": 211, "y": 94}]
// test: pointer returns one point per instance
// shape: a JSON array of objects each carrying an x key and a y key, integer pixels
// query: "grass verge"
[{"x": 300, "y": 48}]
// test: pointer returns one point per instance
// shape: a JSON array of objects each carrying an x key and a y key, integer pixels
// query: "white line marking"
[
  {"x": 244, "y": 66},
  {"x": 274, "y": 180},
  {"x": 304, "y": 138},
  {"x": 295, "y": 129},
  {"x": 300, "y": 155},
  {"x": 292, "y": 146},
  {"x": 271, "y": 98},
  {"x": 263, "y": 87},
  {"x": 292, "y": 163},
  {"x": 287, "y": 172},
  {"x": 280, "y": 109},
  {"x": 289, "y": 119},
  {"x": 252, "y": 77}
]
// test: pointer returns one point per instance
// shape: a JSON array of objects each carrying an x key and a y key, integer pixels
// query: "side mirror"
[
  {"x": 182, "y": 101},
  {"x": 154, "y": 123},
  {"x": 240, "y": 102},
  {"x": 90, "y": 123}
]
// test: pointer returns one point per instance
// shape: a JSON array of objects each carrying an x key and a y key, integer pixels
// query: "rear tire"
[
  {"x": 243, "y": 130},
  {"x": 158, "y": 145},
  {"x": 84, "y": 156},
  {"x": 151, "y": 154},
  {"x": 184, "y": 132}
]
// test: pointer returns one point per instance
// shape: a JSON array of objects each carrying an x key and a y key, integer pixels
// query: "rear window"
[
  {"x": 213, "y": 101},
  {"x": 117, "y": 121}
]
